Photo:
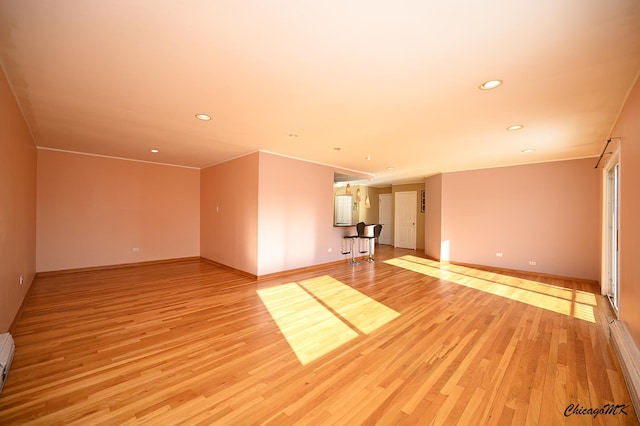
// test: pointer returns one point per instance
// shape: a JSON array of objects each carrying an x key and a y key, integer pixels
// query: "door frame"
[{"x": 611, "y": 231}]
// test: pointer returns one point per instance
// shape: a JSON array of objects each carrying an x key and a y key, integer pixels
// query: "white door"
[
  {"x": 343, "y": 210},
  {"x": 385, "y": 210},
  {"x": 405, "y": 219}
]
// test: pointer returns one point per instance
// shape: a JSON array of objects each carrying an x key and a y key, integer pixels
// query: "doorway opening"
[{"x": 385, "y": 218}]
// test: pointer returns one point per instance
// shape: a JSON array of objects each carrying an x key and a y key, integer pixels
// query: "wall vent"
[{"x": 629, "y": 359}]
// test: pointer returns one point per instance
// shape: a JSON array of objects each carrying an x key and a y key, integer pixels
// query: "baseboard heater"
[
  {"x": 7, "y": 349},
  {"x": 629, "y": 359}
]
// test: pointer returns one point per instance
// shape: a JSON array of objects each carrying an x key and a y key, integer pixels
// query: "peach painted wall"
[
  {"x": 93, "y": 211},
  {"x": 295, "y": 219},
  {"x": 548, "y": 213},
  {"x": 229, "y": 213},
  {"x": 17, "y": 206},
  {"x": 433, "y": 216},
  {"x": 628, "y": 128}
]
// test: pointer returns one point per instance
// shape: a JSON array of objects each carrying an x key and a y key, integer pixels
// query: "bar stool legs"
[
  {"x": 351, "y": 249},
  {"x": 372, "y": 244},
  {"x": 353, "y": 252}
]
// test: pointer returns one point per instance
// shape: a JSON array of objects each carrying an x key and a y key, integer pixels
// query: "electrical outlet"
[
  {"x": 21, "y": 279},
  {"x": 499, "y": 254},
  {"x": 329, "y": 250},
  {"x": 135, "y": 249},
  {"x": 533, "y": 263}
]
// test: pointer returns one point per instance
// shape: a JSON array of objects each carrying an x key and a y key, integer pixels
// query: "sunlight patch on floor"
[
  {"x": 361, "y": 311},
  {"x": 320, "y": 314},
  {"x": 310, "y": 329},
  {"x": 564, "y": 301}
]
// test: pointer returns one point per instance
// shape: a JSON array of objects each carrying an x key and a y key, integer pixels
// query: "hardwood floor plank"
[{"x": 190, "y": 342}]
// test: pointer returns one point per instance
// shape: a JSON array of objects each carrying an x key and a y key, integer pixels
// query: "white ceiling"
[{"x": 394, "y": 80}]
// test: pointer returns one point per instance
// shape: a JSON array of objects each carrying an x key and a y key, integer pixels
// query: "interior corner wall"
[
  {"x": 546, "y": 213},
  {"x": 433, "y": 216},
  {"x": 628, "y": 128},
  {"x": 366, "y": 215},
  {"x": 229, "y": 213},
  {"x": 99, "y": 211},
  {"x": 17, "y": 206},
  {"x": 295, "y": 219},
  {"x": 371, "y": 214}
]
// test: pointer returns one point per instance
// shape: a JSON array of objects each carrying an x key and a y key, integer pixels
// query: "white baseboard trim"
[{"x": 629, "y": 359}]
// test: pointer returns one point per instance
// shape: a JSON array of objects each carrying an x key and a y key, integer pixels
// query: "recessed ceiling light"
[
  {"x": 515, "y": 127},
  {"x": 337, "y": 148},
  {"x": 491, "y": 84},
  {"x": 203, "y": 117},
  {"x": 529, "y": 150},
  {"x": 368, "y": 157},
  {"x": 155, "y": 151},
  {"x": 293, "y": 135},
  {"x": 389, "y": 168}
]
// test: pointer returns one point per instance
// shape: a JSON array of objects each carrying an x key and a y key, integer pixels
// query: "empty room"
[{"x": 302, "y": 212}]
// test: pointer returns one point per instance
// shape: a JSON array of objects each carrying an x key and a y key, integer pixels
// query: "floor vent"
[
  {"x": 7, "y": 349},
  {"x": 629, "y": 359}
]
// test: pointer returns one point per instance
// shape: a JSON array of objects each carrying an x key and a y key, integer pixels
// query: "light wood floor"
[{"x": 401, "y": 341}]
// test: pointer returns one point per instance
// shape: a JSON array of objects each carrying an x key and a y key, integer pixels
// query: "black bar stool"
[{"x": 352, "y": 246}]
